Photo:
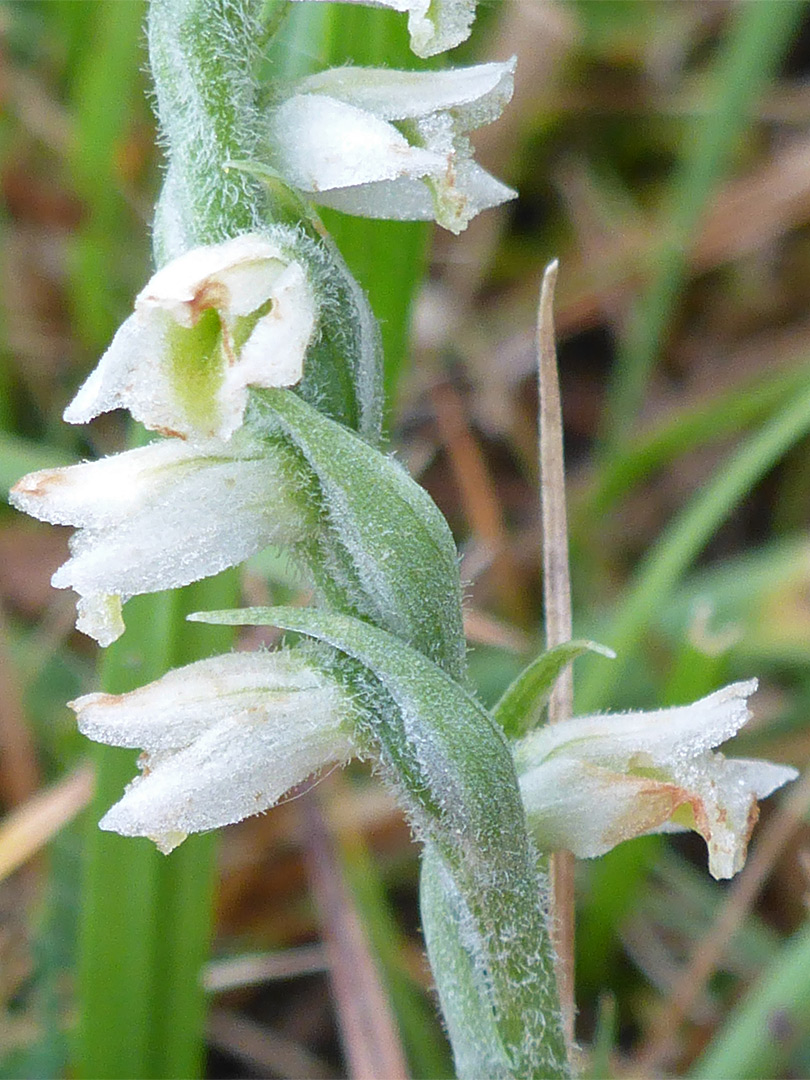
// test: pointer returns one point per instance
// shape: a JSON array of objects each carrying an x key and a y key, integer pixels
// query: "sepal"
[{"x": 208, "y": 325}]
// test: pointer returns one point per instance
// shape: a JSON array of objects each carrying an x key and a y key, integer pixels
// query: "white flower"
[
  {"x": 207, "y": 326},
  {"x": 224, "y": 738},
  {"x": 392, "y": 144},
  {"x": 159, "y": 517},
  {"x": 434, "y": 25},
  {"x": 591, "y": 782}
]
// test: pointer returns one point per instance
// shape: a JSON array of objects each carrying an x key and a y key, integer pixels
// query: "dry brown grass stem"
[
  {"x": 367, "y": 1026},
  {"x": 662, "y": 1042},
  {"x": 557, "y": 608}
]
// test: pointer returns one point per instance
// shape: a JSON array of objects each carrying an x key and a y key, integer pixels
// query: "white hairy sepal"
[
  {"x": 208, "y": 325},
  {"x": 392, "y": 144},
  {"x": 223, "y": 739},
  {"x": 434, "y": 25},
  {"x": 592, "y": 782},
  {"x": 162, "y": 516}
]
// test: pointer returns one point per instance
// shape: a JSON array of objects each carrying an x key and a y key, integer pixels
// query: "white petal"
[
  {"x": 725, "y": 793},
  {"x": 434, "y": 25},
  {"x": 178, "y": 708},
  {"x": 413, "y": 200},
  {"x": 97, "y": 494},
  {"x": 645, "y": 739},
  {"x": 322, "y": 144},
  {"x": 130, "y": 375},
  {"x": 236, "y": 279},
  {"x": 162, "y": 516},
  {"x": 475, "y": 95},
  {"x": 579, "y": 806},
  {"x": 274, "y": 353},
  {"x": 237, "y": 274},
  {"x": 241, "y": 766}
]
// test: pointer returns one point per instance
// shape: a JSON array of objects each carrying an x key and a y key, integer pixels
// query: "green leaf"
[
  {"x": 457, "y": 772},
  {"x": 523, "y": 702},
  {"x": 400, "y": 550}
]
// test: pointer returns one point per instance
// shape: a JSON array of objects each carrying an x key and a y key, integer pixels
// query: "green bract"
[{"x": 453, "y": 766}]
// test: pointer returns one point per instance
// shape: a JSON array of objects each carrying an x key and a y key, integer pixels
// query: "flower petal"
[
  {"x": 474, "y": 95},
  {"x": 240, "y": 766},
  {"x": 322, "y": 144},
  {"x": 182, "y": 363},
  {"x": 577, "y": 806},
  {"x": 645, "y": 739},
  {"x": 336, "y": 140},
  {"x": 178, "y": 708},
  {"x": 434, "y": 25},
  {"x": 162, "y": 516}
]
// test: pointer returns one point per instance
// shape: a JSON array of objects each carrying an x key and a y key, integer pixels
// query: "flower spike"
[
  {"x": 161, "y": 516},
  {"x": 591, "y": 782},
  {"x": 208, "y": 325},
  {"x": 223, "y": 739},
  {"x": 392, "y": 144},
  {"x": 434, "y": 25}
]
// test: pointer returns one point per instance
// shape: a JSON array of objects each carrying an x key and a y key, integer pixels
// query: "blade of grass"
[
  {"x": 557, "y": 611},
  {"x": 146, "y": 918},
  {"x": 696, "y": 425},
  {"x": 759, "y": 1036},
  {"x": 684, "y": 539},
  {"x": 758, "y": 37}
]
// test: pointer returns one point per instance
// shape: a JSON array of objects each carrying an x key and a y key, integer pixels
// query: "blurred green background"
[{"x": 662, "y": 153}]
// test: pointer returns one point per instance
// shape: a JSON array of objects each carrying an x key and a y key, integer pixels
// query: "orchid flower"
[
  {"x": 434, "y": 25},
  {"x": 208, "y": 325},
  {"x": 224, "y": 738},
  {"x": 392, "y": 144},
  {"x": 161, "y": 516},
  {"x": 591, "y": 782}
]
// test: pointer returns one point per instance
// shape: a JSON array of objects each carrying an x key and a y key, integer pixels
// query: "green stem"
[{"x": 203, "y": 54}]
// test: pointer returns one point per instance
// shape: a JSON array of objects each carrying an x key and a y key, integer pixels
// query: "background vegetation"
[{"x": 662, "y": 153}]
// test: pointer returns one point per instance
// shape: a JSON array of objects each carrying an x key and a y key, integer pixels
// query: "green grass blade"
[
  {"x": 146, "y": 918},
  {"x": 683, "y": 541},
  {"x": 697, "y": 425},
  {"x": 757, "y": 39},
  {"x": 759, "y": 1036}
]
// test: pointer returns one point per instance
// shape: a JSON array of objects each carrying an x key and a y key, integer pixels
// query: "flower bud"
[
  {"x": 589, "y": 783},
  {"x": 208, "y": 325},
  {"x": 392, "y": 144},
  {"x": 223, "y": 739},
  {"x": 162, "y": 516}
]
